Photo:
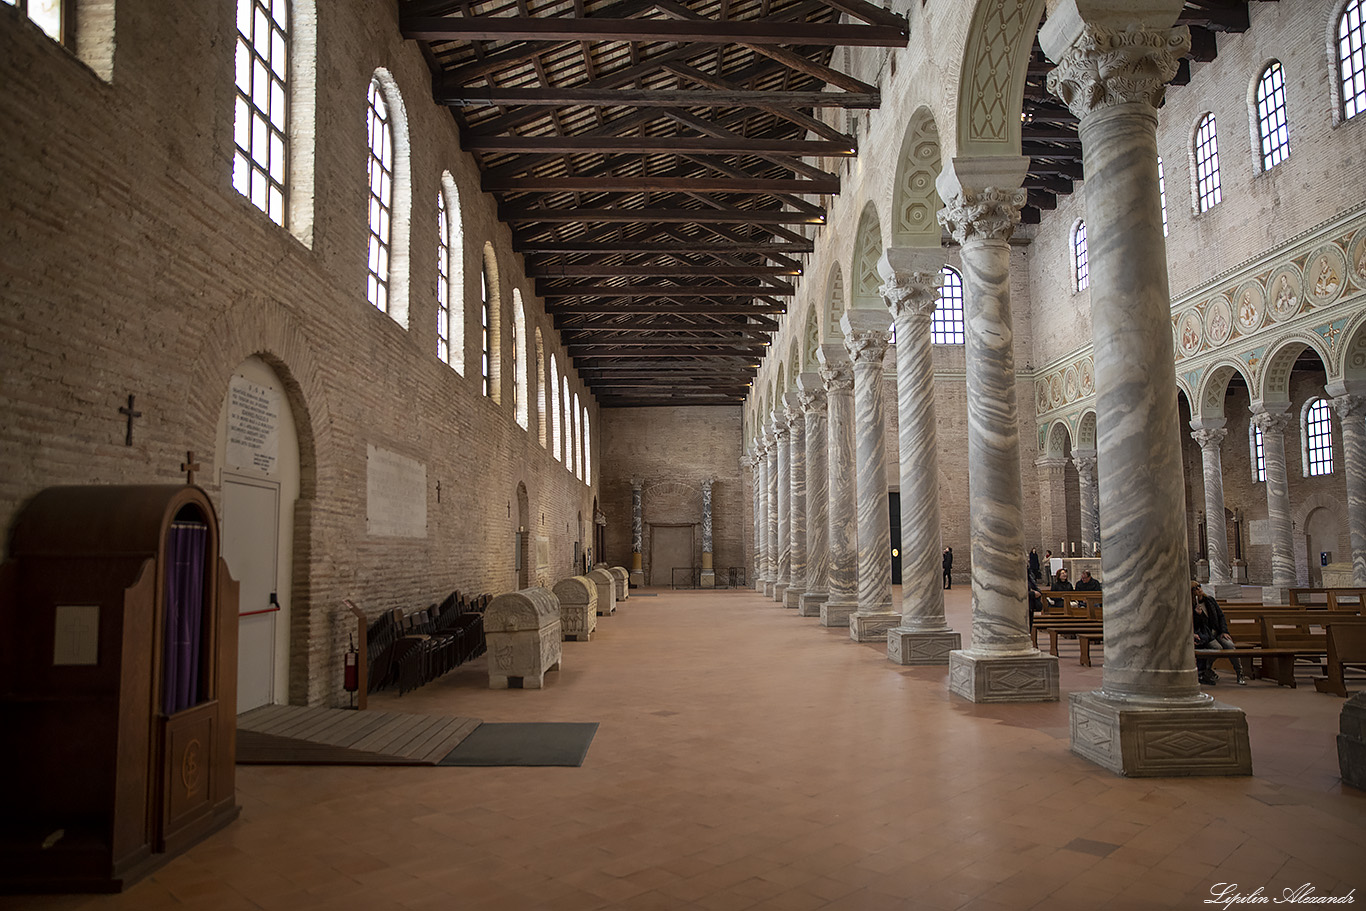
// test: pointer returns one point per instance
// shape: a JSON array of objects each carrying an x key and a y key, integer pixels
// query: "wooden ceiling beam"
[
  {"x": 663, "y": 270},
  {"x": 760, "y": 33},
  {"x": 609, "y": 183},
  {"x": 718, "y": 308},
  {"x": 657, "y": 145},
  {"x": 516, "y": 214},
  {"x": 453, "y": 94},
  {"x": 644, "y": 247},
  {"x": 546, "y": 291},
  {"x": 646, "y": 351}
]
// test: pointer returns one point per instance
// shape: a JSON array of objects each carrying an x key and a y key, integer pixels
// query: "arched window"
[
  {"x": 1081, "y": 268},
  {"x": 568, "y": 424},
  {"x": 48, "y": 15},
  {"x": 946, "y": 326},
  {"x": 381, "y": 198},
  {"x": 1258, "y": 451},
  {"x": 261, "y": 108},
  {"x": 1316, "y": 432},
  {"x": 587, "y": 451},
  {"x": 542, "y": 413},
  {"x": 1162, "y": 193},
  {"x": 519, "y": 402},
  {"x": 450, "y": 270},
  {"x": 1273, "y": 128},
  {"x": 1207, "y": 189},
  {"x": 485, "y": 345},
  {"x": 1352, "y": 58},
  {"x": 578, "y": 437},
  {"x": 555, "y": 439}
]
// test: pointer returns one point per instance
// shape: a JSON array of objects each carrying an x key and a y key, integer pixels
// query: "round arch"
[
  {"x": 1280, "y": 359},
  {"x": 1213, "y": 389},
  {"x": 915, "y": 200},
  {"x": 834, "y": 301},
  {"x": 867, "y": 251}
]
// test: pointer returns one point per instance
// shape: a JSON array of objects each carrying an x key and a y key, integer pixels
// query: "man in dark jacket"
[
  {"x": 1086, "y": 583},
  {"x": 948, "y": 567}
]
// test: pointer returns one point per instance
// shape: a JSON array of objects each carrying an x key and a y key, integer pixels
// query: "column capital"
[
  {"x": 912, "y": 294},
  {"x": 1272, "y": 423},
  {"x": 637, "y": 483},
  {"x": 1086, "y": 466},
  {"x": 1209, "y": 437},
  {"x": 813, "y": 400},
  {"x": 1051, "y": 466},
  {"x": 837, "y": 373},
  {"x": 780, "y": 427},
  {"x": 707, "y": 483},
  {"x": 1110, "y": 65},
  {"x": 866, "y": 346},
  {"x": 989, "y": 214},
  {"x": 747, "y": 461},
  {"x": 1348, "y": 406}
]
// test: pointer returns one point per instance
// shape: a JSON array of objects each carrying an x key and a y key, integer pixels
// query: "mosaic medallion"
[
  {"x": 1325, "y": 275},
  {"x": 1283, "y": 293},
  {"x": 1189, "y": 338},
  {"x": 1069, "y": 383},
  {"x": 1251, "y": 306},
  {"x": 1088, "y": 377},
  {"x": 1218, "y": 321},
  {"x": 1357, "y": 257},
  {"x": 1042, "y": 387},
  {"x": 1055, "y": 389}
]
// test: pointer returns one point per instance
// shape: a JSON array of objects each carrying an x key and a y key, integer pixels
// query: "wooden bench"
[
  {"x": 1085, "y": 640},
  {"x": 1276, "y": 663},
  {"x": 1346, "y": 647},
  {"x": 1064, "y": 628},
  {"x": 1332, "y": 598},
  {"x": 1074, "y": 604}
]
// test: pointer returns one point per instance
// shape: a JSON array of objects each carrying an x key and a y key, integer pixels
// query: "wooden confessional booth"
[{"x": 118, "y": 686}]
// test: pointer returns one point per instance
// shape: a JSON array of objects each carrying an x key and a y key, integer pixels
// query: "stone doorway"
[{"x": 671, "y": 546}]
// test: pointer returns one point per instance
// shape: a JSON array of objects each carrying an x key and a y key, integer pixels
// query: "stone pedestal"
[
  {"x": 1352, "y": 742},
  {"x": 910, "y": 647},
  {"x": 1239, "y": 570},
  {"x": 837, "y": 615},
  {"x": 1202, "y": 571},
  {"x": 1010, "y": 678},
  {"x": 1150, "y": 742},
  {"x": 871, "y": 627},
  {"x": 1336, "y": 575},
  {"x": 1275, "y": 594},
  {"x": 523, "y": 634},
  {"x": 810, "y": 604},
  {"x": 707, "y": 579},
  {"x": 636, "y": 578}
]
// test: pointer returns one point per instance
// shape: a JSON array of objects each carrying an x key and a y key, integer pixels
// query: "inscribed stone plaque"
[
  {"x": 76, "y": 634},
  {"x": 253, "y": 426},
  {"x": 1259, "y": 531},
  {"x": 395, "y": 495},
  {"x": 542, "y": 554}
]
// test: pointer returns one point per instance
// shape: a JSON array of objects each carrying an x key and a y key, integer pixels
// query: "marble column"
[
  {"x": 747, "y": 463},
  {"x": 1149, "y": 718},
  {"x": 982, "y": 200},
  {"x": 1279, "y": 524},
  {"x": 911, "y": 290},
  {"x": 1053, "y": 503},
  {"x": 771, "y": 518},
  {"x": 838, "y": 375},
  {"x": 866, "y": 334},
  {"x": 708, "y": 578},
  {"x": 796, "y": 501},
  {"x": 637, "y": 574},
  {"x": 816, "y": 588},
  {"x": 1089, "y": 497},
  {"x": 782, "y": 498},
  {"x": 1351, "y": 411},
  {"x": 761, "y": 510},
  {"x": 1210, "y": 435}
]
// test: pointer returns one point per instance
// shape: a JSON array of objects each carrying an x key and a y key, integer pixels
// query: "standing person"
[
  {"x": 1211, "y": 631},
  {"x": 1034, "y": 572},
  {"x": 948, "y": 567}
]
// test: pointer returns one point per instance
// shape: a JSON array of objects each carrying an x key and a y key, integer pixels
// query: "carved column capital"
[
  {"x": 1051, "y": 466},
  {"x": 914, "y": 294},
  {"x": 1272, "y": 423},
  {"x": 1210, "y": 438},
  {"x": 707, "y": 483},
  {"x": 1348, "y": 406},
  {"x": 1086, "y": 467},
  {"x": 838, "y": 378},
  {"x": 813, "y": 401},
  {"x": 1105, "y": 67},
  {"x": 780, "y": 428},
  {"x": 747, "y": 461},
  {"x": 991, "y": 214},
  {"x": 637, "y": 483},
  {"x": 866, "y": 346}
]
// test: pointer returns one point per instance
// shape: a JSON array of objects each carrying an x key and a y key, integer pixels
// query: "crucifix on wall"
[
  {"x": 189, "y": 466},
  {"x": 131, "y": 413}
]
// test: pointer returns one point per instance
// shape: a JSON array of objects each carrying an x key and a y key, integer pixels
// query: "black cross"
[
  {"x": 438, "y": 491},
  {"x": 189, "y": 466},
  {"x": 128, "y": 440}
]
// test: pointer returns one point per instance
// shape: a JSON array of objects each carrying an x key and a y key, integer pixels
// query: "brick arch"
[
  {"x": 990, "y": 91},
  {"x": 1274, "y": 385},
  {"x": 1300, "y": 518},
  {"x": 1213, "y": 388},
  {"x": 1351, "y": 364},
  {"x": 915, "y": 200},
  {"x": 866, "y": 281},
  {"x": 1059, "y": 436},
  {"x": 1086, "y": 430}
]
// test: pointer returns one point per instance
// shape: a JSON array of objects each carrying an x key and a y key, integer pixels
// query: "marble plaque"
[
  {"x": 1259, "y": 531},
  {"x": 253, "y": 426},
  {"x": 395, "y": 495}
]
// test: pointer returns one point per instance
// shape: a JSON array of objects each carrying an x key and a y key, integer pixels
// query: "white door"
[{"x": 251, "y": 523}]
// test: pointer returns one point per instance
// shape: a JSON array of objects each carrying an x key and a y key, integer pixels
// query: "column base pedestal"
[
  {"x": 1352, "y": 742},
  {"x": 871, "y": 627},
  {"x": 636, "y": 579},
  {"x": 758, "y": 585},
  {"x": 811, "y": 602},
  {"x": 1275, "y": 594},
  {"x": 836, "y": 613},
  {"x": 1157, "y": 742},
  {"x": 779, "y": 591},
  {"x": 1202, "y": 571},
  {"x": 707, "y": 579},
  {"x": 793, "y": 597},
  {"x": 909, "y": 647},
  {"x": 1224, "y": 591},
  {"x": 1022, "y": 678},
  {"x": 1239, "y": 570},
  {"x": 768, "y": 588}
]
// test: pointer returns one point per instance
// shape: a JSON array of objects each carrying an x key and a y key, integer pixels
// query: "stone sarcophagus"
[
  {"x": 578, "y": 598},
  {"x": 623, "y": 581},
  {"x": 607, "y": 591},
  {"x": 522, "y": 630}
]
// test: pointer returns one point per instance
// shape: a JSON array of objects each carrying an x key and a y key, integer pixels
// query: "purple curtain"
[{"x": 185, "y": 557}]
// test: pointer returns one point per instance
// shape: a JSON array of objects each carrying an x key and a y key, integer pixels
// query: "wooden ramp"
[{"x": 296, "y": 734}]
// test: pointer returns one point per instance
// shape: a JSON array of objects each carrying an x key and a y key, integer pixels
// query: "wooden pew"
[
  {"x": 1332, "y": 598},
  {"x": 1346, "y": 647}
]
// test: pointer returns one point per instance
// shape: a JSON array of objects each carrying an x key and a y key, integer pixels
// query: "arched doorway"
[{"x": 523, "y": 539}]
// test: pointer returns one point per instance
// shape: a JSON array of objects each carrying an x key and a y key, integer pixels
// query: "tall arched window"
[
  {"x": 1352, "y": 58},
  {"x": 1081, "y": 268},
  {"x": 262, "y": 104},
  {"x": 568, "y": 424},
  {"x": 1254, "y": 441},
  {"x": 491, "y": 320},
  {"x": 49, "y": 15},
  {"x": 1207, "y": 188},
  {"x": 587, "y": 451},
  {"x": 1162, "y": 193},
  {"x": 578, "y": 437},
  {"x": 542, "y": 413},
  {"x": 555, "y": 419},
  {"x": 485, "y": 344},
  {"x": 450, "y": 271},
  {"x": 1316, "y": 431},
  {"x": 519, "y": 397},
  {"x": 1273, "y": 128},
  {"x": 381, "y": 198},
  {"x": 946, "y": 326}
]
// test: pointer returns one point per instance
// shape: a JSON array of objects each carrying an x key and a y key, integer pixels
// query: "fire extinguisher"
[{"x": 351, "y": 677}]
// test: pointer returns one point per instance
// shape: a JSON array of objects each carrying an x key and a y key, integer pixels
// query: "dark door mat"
[{"x": 524, "y": 744}]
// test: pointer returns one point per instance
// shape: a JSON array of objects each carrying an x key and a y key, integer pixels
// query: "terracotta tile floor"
[{"x": 749, "y": 759}]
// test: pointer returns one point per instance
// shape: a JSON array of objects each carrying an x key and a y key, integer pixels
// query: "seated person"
[
  {"x": 1060, "y": 584},
  {"x": 1086, "y": 583},
  {"x": 1211, "y": 631},
  {"x": 1035, "y": 599}
]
